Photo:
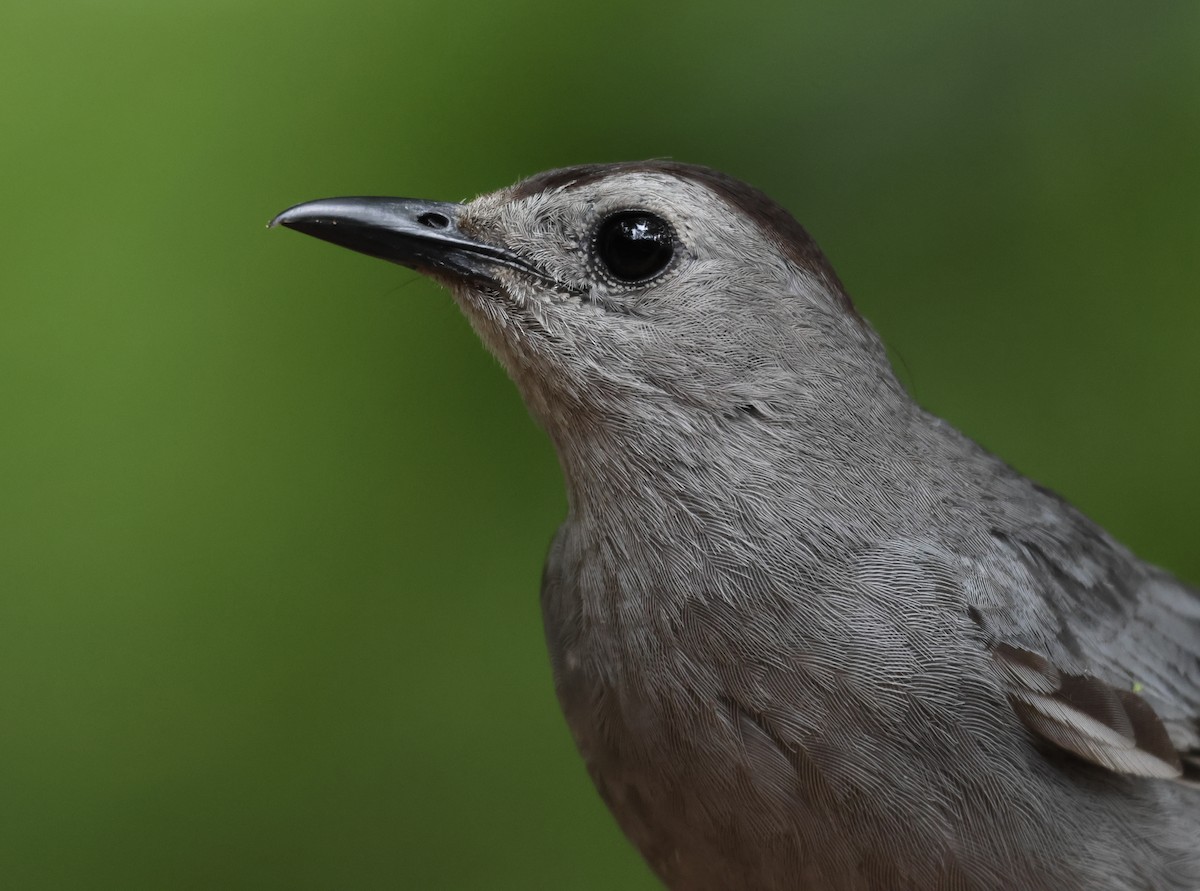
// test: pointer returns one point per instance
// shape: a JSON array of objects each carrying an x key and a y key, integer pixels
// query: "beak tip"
[{"x": 283, "y": 218}]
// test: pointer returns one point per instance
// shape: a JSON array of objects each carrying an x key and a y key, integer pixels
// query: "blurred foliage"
[{"x": 273, "y": 522}]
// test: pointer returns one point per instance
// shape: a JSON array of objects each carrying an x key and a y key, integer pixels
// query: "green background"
[{"x": 272, "y": 521}]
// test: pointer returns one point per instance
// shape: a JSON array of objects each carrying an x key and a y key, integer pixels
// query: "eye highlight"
[{"x": 634, "y": 245}]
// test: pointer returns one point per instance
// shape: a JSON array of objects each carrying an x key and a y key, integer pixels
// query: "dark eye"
[{"x": 634, "y": 245}]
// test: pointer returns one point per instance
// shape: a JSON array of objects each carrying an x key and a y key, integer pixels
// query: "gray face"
[
  {"x": 651, "y": 284},
  {"x": 729, "y": 320}
]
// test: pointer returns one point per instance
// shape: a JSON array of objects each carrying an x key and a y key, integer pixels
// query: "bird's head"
[{"x": 612, "y": 291}]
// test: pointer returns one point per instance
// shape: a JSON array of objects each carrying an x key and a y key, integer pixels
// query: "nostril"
[{"x": 434, "y": 220}]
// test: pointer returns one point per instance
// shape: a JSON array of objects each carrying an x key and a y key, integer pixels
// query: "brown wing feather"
[{"x": 1113, "y": 728}]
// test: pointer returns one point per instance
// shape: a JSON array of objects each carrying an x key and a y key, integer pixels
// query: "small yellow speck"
[{"x": 1138, "y": 687}]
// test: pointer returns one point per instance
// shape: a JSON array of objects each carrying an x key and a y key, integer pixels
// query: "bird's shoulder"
[{"x": 1098, "y": 651}]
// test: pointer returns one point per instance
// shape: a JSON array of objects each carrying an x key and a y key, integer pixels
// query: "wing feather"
[{"x": 1115, "y": 729}]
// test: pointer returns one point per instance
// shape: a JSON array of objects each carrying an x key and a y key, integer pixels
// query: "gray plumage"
[{"x": 806, "y": 635}]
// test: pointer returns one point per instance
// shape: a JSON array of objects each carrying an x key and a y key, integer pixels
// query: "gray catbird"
[{"x": 806, "y": 635}]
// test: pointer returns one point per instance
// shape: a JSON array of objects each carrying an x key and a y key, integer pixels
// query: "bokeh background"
[{"x": 272, "y": 521}]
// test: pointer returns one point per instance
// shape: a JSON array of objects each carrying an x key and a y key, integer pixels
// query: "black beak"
[{"x": 423, "y": 235}]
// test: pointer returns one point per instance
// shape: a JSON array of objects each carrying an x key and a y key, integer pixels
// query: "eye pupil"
[{"x": 634, "y": 245}]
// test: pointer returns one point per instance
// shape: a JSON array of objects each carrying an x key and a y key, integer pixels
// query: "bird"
[{"x": 807, "y": 636}]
